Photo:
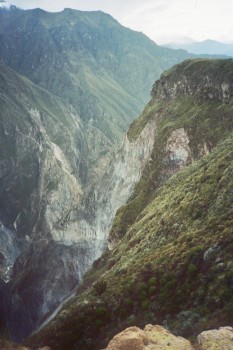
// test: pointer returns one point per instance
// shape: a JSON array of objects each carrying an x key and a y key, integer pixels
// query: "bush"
[
  {"x": 100, "y": 287},
  {"x": 152, "y": 281},
  {"x": 152, "y": 290},
  {"x": 145, "y": 305},
  {"x": 192, "y": 270},
  {"x": 101, "y": 311}
]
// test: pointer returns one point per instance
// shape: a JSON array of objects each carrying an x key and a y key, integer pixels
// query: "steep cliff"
[{"x": 171, "y": 257}]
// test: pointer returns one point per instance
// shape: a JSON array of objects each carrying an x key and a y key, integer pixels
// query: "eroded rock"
[{"x": 151, "y": 338}]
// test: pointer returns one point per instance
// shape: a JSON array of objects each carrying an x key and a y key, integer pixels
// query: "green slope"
[{"x": 172, "y": 263}]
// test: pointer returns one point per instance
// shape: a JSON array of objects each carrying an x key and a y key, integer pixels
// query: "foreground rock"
[
  {"x": 159, "y": 338},
  {"x": 221, "y": 339},
  {"x": 5, "y": 345},
  {"x": 152, "y": 337}
]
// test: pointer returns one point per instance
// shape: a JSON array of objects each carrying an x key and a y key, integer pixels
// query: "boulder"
[
  {"x": 132, "y": 338},
  {"x": 7, "y": 345},
  {"x": 151, "y": 338},
  {"x": 216, "y": 339}
]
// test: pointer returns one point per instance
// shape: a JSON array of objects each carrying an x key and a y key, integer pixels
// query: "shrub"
[
  {"x": 192, "y": 270},
  {"x": 152, "y": 281},
  {"x": 152, "y": 290},
  {"x": 145, "y": 305},
  {"x": 100, "y": 287}
]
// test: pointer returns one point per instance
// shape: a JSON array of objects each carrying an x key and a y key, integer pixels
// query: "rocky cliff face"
[{"x": 206, "y": 86}]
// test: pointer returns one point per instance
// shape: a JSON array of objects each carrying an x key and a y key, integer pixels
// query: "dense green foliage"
[{"x": 173, "y": 262}]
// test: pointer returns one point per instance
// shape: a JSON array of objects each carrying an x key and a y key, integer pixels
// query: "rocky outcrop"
[
  {"x": 152, "y": 337},
  {"x": 159, "y": 338},
  {"x": 183, "y": 80},
  {"x": 216, "y": 339},
  {"x": 6, "y": 345}
]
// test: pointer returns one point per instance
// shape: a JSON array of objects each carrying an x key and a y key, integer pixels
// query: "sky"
[{"x": 163, "y": 21}]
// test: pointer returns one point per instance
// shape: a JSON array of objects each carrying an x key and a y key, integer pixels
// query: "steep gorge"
[{"x": 171, "y": 244}]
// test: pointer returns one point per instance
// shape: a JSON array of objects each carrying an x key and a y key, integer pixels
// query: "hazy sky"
[{"x": 162, "y": 20}]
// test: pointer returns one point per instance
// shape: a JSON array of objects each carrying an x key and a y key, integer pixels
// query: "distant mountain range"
[{"x": 210, "y": 47}]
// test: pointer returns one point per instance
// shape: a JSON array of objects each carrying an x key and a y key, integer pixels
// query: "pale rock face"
[
  {"x": 126, "y": 170},
  {"x": 151, "y": 338},
  {"x": 216, "y": 339},
  {"x": 177, "y": 154},
  {"x": 10, "y": 248},
  {"x": 177, "y": 148},
  {"x": 205, "y": 87},
  {"x": 225, "y": 91}
]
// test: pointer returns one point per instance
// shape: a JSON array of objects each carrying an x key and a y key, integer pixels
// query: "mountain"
[
  {"x": 170, "y": 260},
  {"x": 211, "y": 47},
  {"x": 71, "y": 83},
  {"x": 89, "y": 60}
]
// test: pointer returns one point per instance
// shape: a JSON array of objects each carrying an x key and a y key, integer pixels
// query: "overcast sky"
[{"x": 162, "y": 20}]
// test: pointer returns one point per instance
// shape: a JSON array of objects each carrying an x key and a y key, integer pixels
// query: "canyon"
[{"x": 103, "y": 228}]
